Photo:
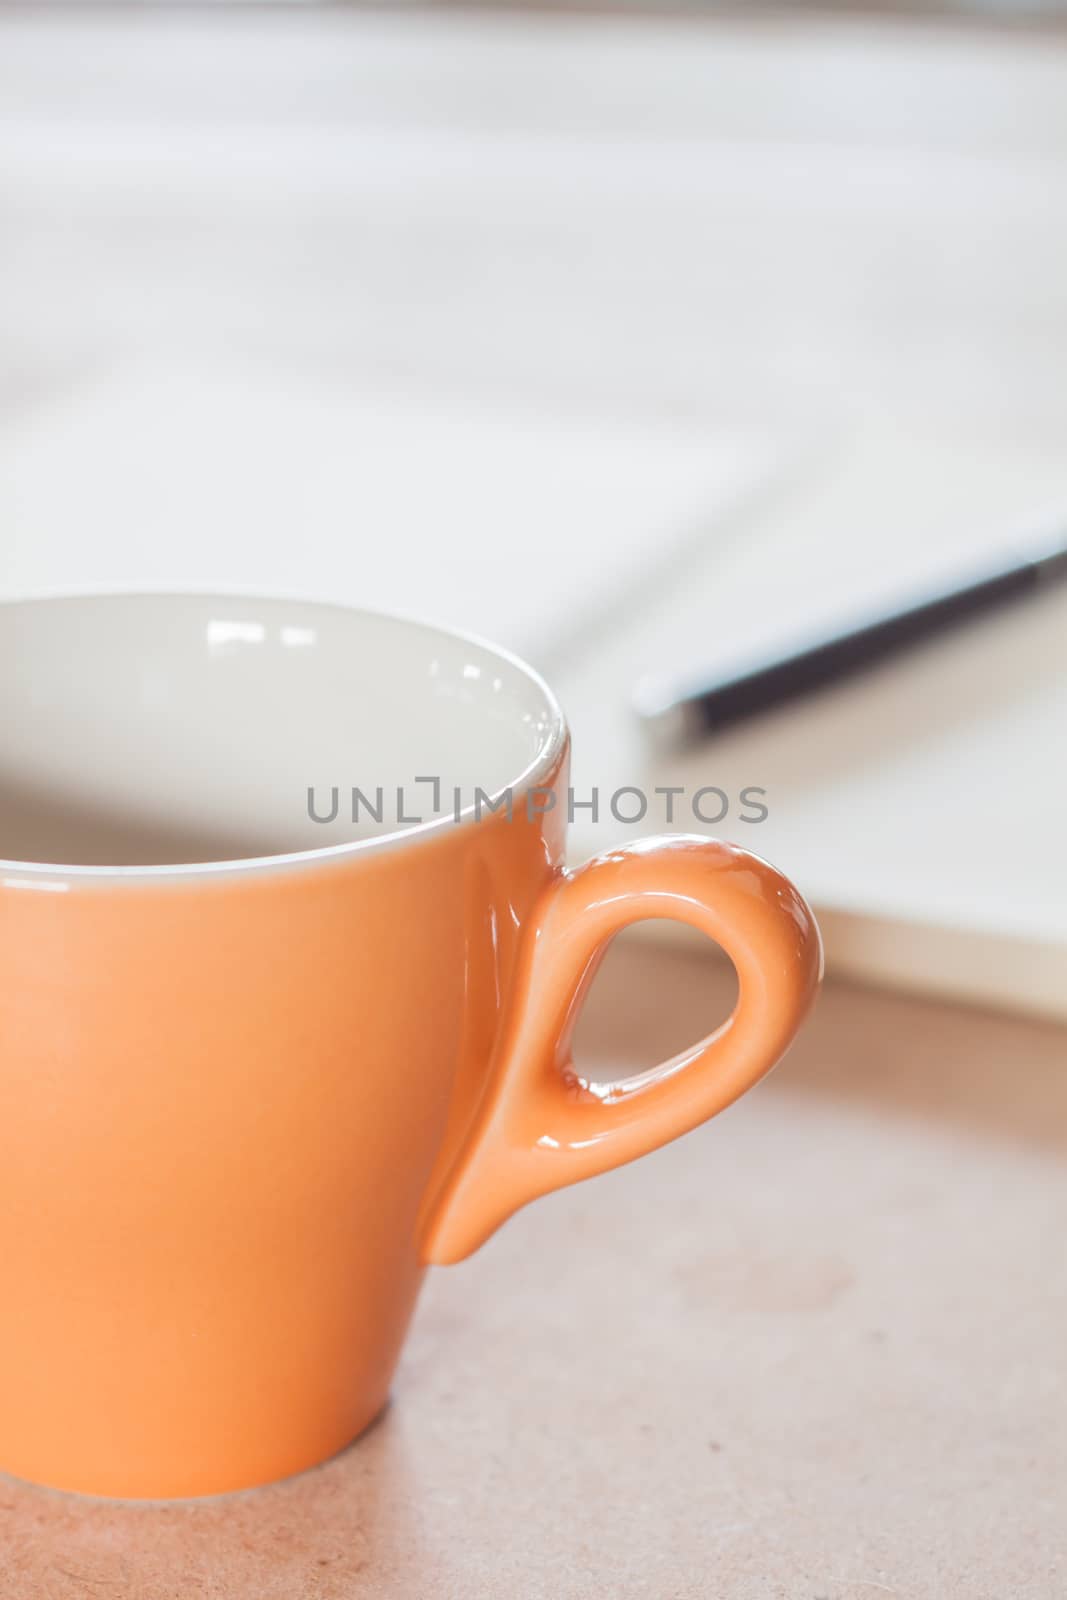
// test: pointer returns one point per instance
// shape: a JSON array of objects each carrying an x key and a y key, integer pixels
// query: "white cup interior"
[{"x": 155, "y": 730}]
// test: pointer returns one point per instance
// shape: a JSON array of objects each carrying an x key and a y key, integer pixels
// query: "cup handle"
[{"x": 540, "y": 1126}]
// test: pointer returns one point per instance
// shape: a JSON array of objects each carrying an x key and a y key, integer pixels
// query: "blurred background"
[{"x": 640, "y": 339}]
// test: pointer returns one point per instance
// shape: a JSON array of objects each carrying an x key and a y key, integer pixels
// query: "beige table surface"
[{"x": 816, "y": 1349}]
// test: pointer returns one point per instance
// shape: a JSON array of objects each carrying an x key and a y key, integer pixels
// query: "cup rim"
[{"x": 54, "y": 875}]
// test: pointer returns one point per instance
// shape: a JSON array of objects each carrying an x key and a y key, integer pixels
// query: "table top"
[{"x": 814, "y": 1349}]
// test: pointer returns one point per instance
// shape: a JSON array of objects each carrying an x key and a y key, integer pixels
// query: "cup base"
[{"x": 214, "y": 1486}]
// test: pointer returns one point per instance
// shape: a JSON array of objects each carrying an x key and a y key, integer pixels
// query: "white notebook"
[
  {"x": 921, "y": 810},
  {"x": 921, "y": 807},
  {"x": 533, "y": 531}
]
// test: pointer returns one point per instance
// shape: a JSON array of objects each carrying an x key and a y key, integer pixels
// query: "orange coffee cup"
[{"x": 261, "y": 1065}]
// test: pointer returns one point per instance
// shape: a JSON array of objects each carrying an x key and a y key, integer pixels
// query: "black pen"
[{"x": 680, "y": 711}]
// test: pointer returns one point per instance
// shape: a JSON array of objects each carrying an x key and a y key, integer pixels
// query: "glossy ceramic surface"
[{"x": 245, "y": 1099}]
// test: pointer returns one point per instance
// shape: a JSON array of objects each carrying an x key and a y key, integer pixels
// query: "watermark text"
[{"x": 428, "y": 798}]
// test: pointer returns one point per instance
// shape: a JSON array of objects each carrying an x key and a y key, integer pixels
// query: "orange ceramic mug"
[{"x": 257, "y": 1070}]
